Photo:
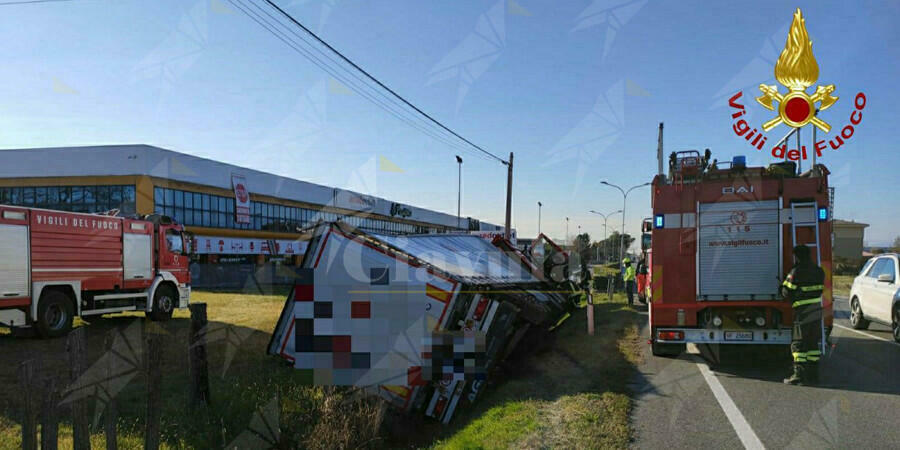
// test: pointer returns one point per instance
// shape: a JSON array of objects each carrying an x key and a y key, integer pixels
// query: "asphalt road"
[{"x": 689, "y": 402}]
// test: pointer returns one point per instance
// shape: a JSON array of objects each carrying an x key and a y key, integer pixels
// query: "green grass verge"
[{"x": 574, "y": 395}]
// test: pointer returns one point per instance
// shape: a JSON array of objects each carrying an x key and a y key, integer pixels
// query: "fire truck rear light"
[
  {"x": 659, "y": 221},
  {"x": 670, "y": 335},
  {"x": 14, "y": 215}
]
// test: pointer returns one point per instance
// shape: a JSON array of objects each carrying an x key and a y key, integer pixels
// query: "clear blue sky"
[{"x": 574, "y": 88}]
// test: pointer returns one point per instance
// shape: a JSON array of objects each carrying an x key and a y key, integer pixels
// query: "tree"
[
  {"x": 896, "y": 247},
  {"x": 610, "y": 246}
]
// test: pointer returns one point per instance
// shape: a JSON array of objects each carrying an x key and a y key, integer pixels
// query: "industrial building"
[{"x": 237, "y": 215}]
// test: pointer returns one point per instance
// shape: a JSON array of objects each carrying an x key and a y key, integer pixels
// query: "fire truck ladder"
[{"x": 799, "y": 212}]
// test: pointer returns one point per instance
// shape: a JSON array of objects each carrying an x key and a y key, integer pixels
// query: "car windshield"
[{"x": 456, "y": 224}]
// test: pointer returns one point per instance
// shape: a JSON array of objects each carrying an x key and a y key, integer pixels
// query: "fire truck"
[
  {"x": 722, "y": 243},
  {"x": 57, "y": 265}
]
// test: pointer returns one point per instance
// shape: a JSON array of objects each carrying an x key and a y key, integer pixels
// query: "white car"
[{"x": 875, "y": 295}]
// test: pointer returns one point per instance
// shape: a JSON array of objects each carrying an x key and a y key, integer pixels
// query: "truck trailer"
[
  {"x": 57, "y": 265},
  {"x": 722, "y": 243},
  {"x": 419, "y": 320}
]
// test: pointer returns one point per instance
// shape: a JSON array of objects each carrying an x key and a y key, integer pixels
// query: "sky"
[{"x": 575, "y": 89}]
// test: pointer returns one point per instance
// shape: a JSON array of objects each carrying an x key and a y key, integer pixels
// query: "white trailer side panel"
[{"x": 738, "y": 250}]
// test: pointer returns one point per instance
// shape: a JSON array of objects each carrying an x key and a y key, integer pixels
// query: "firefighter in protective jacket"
[
  {"x": 628, "y": 277},
  {"x": 803, "y": 288}
]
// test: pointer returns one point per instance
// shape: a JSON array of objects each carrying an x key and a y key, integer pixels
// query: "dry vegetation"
[{"x": 573, "y": 395}]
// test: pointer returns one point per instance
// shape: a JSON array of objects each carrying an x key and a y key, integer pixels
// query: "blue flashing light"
[
  {"x": 658, "y": 221},
  {"x": 823, "y": 214}
]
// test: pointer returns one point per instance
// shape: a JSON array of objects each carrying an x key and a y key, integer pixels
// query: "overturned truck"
[{"x": 420, "y": 321}]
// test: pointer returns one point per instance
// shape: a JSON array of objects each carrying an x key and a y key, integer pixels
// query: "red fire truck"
[
  {"x": 57, "y": 265},
  {"x": 722, "y": 242}
]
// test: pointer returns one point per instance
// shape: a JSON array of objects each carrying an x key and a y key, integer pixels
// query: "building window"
[{"x": 90, "y": 199}]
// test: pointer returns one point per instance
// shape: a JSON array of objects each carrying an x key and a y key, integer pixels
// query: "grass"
[
  {"x": 840, "y": 284},
  {"x": 243, "y": 379},
  {"x": 572, "y": 395}
]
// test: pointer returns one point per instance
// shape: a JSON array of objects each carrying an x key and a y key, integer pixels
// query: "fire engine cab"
[
  {"x": 722, "y": 243},
  {"x": 57, "y": 265}
]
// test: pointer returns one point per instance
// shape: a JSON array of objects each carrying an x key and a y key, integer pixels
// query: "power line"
[
  {"x": 26, "y": 2},
  {"x": 379, "y": 83},
  {"x": 393, "y": 107},
  {"x": 278, "y": 34}
]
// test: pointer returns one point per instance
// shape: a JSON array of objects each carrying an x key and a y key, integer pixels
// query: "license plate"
[{"x": 738, "y": 335}]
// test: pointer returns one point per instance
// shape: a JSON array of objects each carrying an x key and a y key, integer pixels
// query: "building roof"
[
  {"x": 848, "y": 224},
  {"x": 140, "y": 159}
]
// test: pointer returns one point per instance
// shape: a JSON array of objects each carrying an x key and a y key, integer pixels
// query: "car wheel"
[
  {"x": 895, "y": 324},
  {"x": 55, "y": 314},
  {"x": 163, "y": 304},
  {"x": 857, "y": 320}
]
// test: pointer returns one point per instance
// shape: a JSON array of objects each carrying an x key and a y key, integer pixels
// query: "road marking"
[
  {"x": 867, "y": 334},
  {"x": 738, "y": 422}
]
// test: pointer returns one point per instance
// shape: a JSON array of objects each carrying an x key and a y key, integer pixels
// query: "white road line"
[
  {"x": 738, "y": 422},
  {"x": 866, "y": 334}
]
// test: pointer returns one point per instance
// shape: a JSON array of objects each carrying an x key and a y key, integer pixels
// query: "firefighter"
[
  {"x": 629, "y": 280},
  {"x": 803, "y": 288}
]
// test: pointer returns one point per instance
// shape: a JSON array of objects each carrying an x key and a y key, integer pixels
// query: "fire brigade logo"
[
  {"x": 739, "y": 217},
  {"x": 797, "y": 70}
]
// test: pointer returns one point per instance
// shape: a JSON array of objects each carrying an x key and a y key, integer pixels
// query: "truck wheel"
[
  {"x": 55, "y": 314},
  {"x": 163, "y": 304},
  {"x": 667, "y": 350},
  {"x": 857, "y": 320}
]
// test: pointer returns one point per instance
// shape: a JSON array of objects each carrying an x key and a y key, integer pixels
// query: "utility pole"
[
  {"x": 567, "y": 231},
  {"x": 624, "y": 202},
  {"x": 605, "y": 244},
  {"x": 539, "y": 218},
  {"x": 458, "y": 190},
  {"x": 509, "y": 166}
]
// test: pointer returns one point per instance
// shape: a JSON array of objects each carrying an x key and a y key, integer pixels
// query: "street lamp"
[
  {"x": 539, "y": 218},
  {"x": 605, "y": 217},
  {"x": 567, "y": 231},
  {"x": 458, "y": 190},
  {"x": 624, "y": 199}
]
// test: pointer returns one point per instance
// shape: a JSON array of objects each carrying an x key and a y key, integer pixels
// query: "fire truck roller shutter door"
[
  {"x": 13, "y": 261},
  {"x": 739, "y": 250}
]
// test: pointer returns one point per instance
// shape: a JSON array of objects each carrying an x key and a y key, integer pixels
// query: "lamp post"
[
  {"x": 605, "y": 217},
  {"x": 624, "y": 199},
  {"x": 458, "y": 190},
  {"x": 539, "y": 218},
  {"x": 567, "y": 231}
]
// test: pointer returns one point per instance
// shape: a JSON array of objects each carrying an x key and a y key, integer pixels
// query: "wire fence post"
[
  {"x": 154, "y": 397},
  {"x": 49, "y": 417},
  {"x": 76, "y": 348},
  {"x": 199, "y": 366},
  {"x": 27, "y": 371}
]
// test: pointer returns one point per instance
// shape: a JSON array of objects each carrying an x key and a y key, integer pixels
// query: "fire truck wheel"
[
  {"x": 857, "y": 320},
  {"x": 163, "y": 303},
  {"x": 55, "y": 314}
]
